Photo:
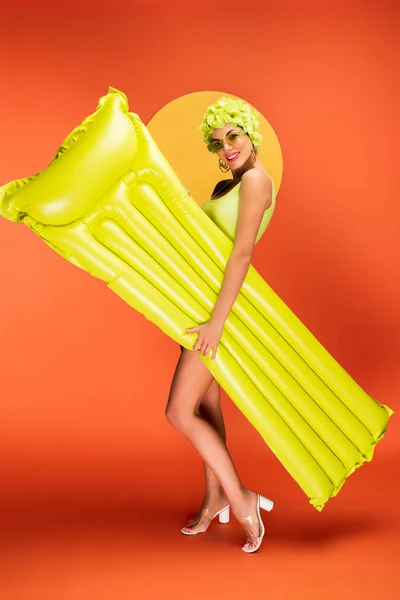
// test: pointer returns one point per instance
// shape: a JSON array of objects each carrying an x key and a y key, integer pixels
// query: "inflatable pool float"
[{"x": 110, "y": 203}]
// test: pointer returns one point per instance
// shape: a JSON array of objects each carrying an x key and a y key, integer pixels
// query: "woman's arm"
[{"x": 255, "y": 197}]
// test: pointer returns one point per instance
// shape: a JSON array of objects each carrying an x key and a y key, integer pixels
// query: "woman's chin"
[{"x": 236, "y": 164}]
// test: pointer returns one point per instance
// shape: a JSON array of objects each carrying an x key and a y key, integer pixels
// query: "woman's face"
[{"x": 237, "y": 154}]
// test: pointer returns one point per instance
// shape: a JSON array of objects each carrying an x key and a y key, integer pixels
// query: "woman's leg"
[
  {"x": 210, "y": 409},
  {"x": 214, "y": 498},
  {"x": 190, "y": 383}
]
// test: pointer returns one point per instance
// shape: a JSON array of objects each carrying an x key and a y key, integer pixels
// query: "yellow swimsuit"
[{"x": 224, "y": 211}]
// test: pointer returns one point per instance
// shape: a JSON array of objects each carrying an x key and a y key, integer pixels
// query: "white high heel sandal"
[
  {"x": 267, "y": 505},
  {"x": 223, "y": 515}
]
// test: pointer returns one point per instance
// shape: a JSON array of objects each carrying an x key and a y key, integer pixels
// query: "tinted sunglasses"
[{"x": 232, "y": 137}]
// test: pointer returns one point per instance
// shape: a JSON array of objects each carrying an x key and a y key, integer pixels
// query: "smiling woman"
[
  {"x": 330, "y": 426},
  {"x": 230, "y": 130}
]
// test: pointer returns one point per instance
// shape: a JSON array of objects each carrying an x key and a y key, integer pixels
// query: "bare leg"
[
  {"x": 210, "y": 410},
  {"x": 191, "y": 381},
  {"x": 214, "y": 498}
]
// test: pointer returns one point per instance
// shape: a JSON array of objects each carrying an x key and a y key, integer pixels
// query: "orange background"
[{"x": 95, "y": 484}]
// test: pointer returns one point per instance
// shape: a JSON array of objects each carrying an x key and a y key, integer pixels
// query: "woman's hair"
[{"x": 231, "y": 110}]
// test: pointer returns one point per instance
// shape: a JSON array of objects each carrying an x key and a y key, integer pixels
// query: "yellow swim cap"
[{"x": 231, "y": 110}]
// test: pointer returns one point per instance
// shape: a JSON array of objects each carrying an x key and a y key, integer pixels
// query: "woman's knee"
[{"x": 177, "y": 416}]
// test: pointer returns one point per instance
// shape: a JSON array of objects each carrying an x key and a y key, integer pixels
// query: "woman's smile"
[{"x": 232, "y": 157}]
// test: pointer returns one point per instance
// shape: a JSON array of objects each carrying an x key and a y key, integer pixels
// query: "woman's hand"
[{"x": 209, "y": 337}]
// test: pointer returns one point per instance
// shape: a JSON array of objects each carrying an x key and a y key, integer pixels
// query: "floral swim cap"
[{"x": 231, "y": 110}]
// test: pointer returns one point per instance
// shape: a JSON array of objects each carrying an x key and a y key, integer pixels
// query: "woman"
[{"x": 230, "y": 129}]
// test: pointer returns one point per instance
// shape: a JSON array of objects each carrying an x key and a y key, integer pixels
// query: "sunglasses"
[{"x": 232, "y": 137}]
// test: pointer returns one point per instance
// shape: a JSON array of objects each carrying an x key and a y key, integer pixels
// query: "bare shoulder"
[
  {"x": 256, "y": 188},
  {"x": 256, "y": 179}
]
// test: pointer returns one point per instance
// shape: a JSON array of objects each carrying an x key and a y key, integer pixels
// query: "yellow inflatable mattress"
[{"x": 110, "y": 203}]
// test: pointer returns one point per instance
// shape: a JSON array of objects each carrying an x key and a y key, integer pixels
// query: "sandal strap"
[
  {"x": 207, "y": 514},
  {"x": 252, "y": 519},
  {"x": 195, "y": 528}
]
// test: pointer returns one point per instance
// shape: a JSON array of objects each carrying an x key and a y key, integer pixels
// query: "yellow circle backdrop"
[{"x": 175, "y": 128}]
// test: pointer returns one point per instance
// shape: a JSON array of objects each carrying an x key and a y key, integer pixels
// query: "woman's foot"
[
  {"x": 211, "y": 507},
  {"x": 249, "y": 521}
]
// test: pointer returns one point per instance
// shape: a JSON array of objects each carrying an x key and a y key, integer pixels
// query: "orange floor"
[{"x": 115, "y": 535}]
